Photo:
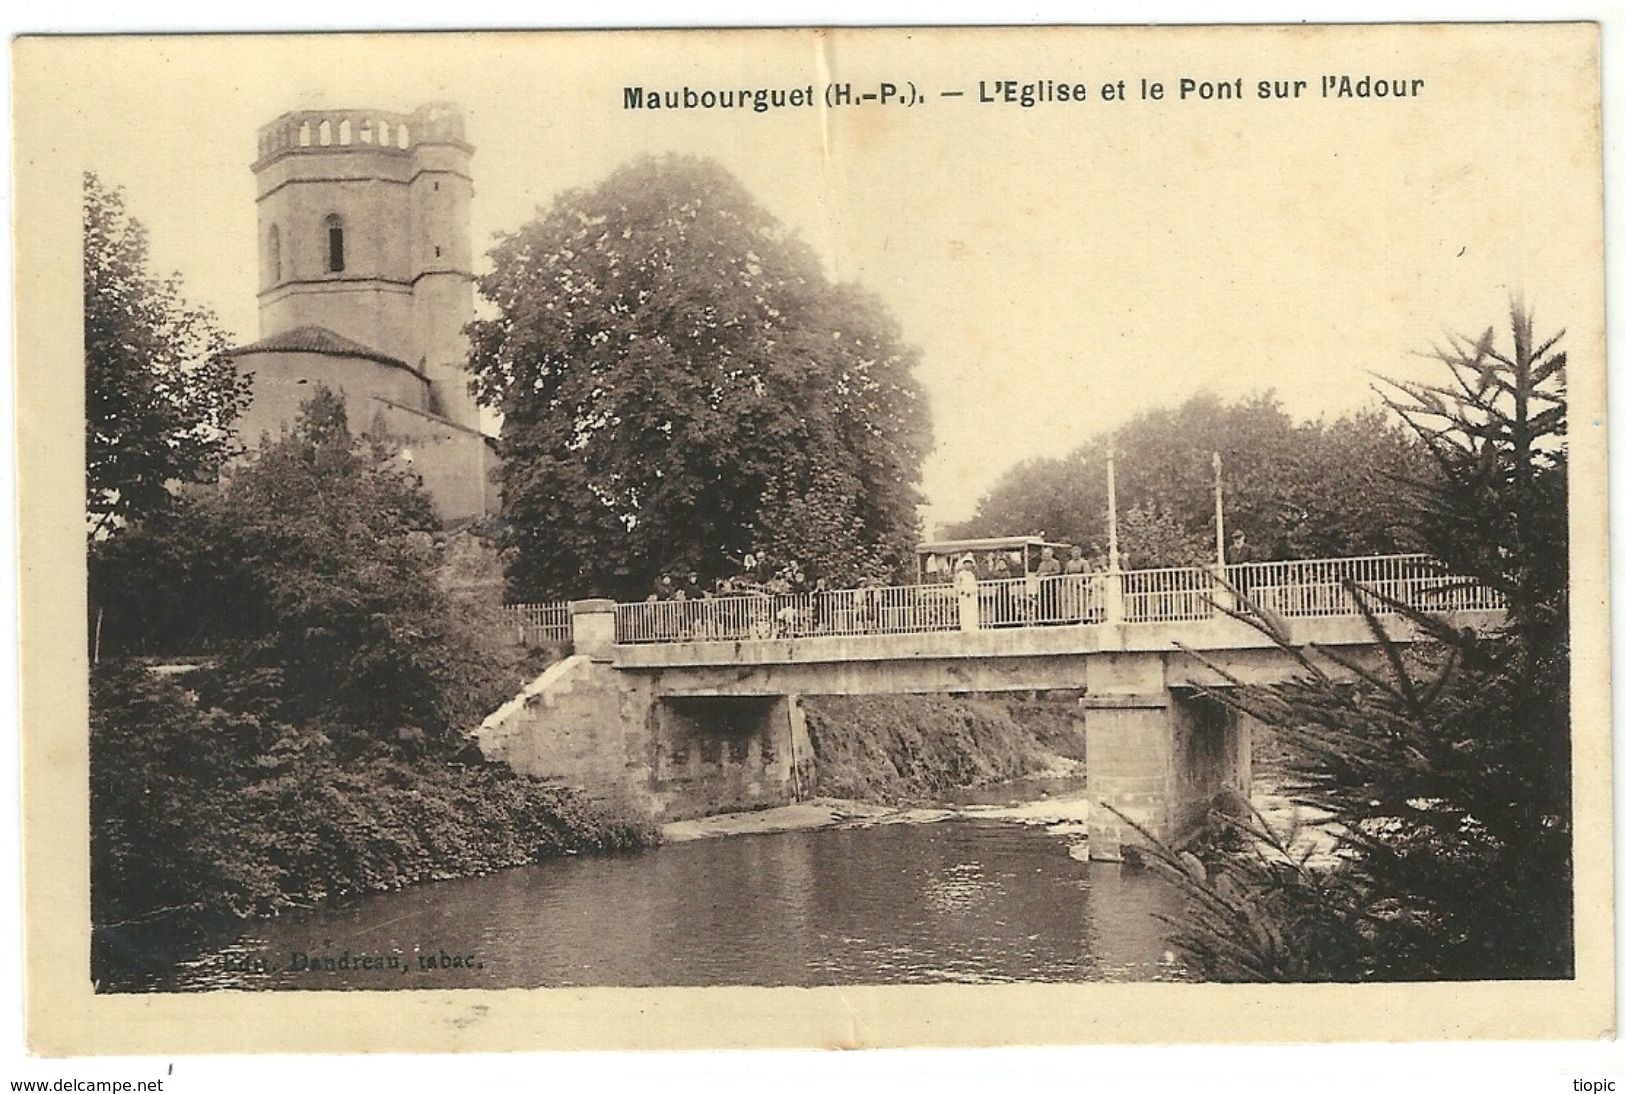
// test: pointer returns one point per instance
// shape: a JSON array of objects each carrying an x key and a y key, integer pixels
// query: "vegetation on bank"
[
  {"x": 202, "y": 808},
  {"x": 319, "y": 752},
  {"x": 914, "y": 747}
]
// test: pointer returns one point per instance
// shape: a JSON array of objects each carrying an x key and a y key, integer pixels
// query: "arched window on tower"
[
  {"x": 335, "y": 244},
  {"x": 273, "y": 250},
  {"x": 324, "y": 133}
]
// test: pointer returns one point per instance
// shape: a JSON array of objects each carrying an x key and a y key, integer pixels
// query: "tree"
[
  {"x": 320, "y": 750},
  {"x": 1151, "y": 536},
  {"x": 680, "y": 385},
  {"x": 1298, "y": 490},
  {"x": 160, "y": 394},
  {"x": 1447, "y": 771},
  {"x": 313, "y": 572}
]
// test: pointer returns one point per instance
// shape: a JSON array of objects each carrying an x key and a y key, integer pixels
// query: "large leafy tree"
[
  {"x": 1446, "y": 771},
  {"x": 160, "y": 394},
  {"x": 680, "y": 385},
  {"x": 1297, "y": 489}
]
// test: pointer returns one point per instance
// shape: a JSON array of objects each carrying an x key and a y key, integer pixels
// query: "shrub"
[{"x": 199, "y": 810}]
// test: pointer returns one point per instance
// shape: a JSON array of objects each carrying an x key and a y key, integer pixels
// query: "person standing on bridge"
[
  {"x": 1239, "y": 553},
  {"x": 1077, "y": 585},
  {"x": 1044, "y": 588},
  {"x": 968, "y": 591}
]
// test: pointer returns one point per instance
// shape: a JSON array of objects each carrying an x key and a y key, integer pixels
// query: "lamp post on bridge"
[
  {"x": 1114, "y": 570},
  {"x": 1222, "y": 595}
]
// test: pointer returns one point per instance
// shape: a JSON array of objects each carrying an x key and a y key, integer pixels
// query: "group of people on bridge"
[
  {"x": 782, "y": 602},
  {"x": 1054, "y": 592},
  {"x": 960, "y": 585}
]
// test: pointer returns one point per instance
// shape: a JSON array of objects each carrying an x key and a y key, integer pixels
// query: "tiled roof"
[{"x": 317, "y": 339}]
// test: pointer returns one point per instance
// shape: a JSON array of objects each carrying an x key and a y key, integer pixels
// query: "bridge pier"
[
  {"x": 721, "y": 754},
  {"x": 1158, "y": 755}
]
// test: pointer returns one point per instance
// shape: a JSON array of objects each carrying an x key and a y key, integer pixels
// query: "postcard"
[{"x": 813, "y": 537}]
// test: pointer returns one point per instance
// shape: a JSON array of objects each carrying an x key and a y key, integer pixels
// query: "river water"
[{"x": 967, "y": 899}]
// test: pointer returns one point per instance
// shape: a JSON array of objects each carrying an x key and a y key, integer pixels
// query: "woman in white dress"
[{"x": 968, "y": 592}]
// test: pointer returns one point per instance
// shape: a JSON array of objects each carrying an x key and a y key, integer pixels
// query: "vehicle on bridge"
[
  {"x": 1022, "y": 580},
  {"x": 935, "y": 561}
]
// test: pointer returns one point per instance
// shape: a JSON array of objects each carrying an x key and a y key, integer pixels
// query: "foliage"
[
  {"x": 160, "y": 394},
  {"x": 1446, "y": 771},
  {"x": 200, "y": 809},
  {"x": 680, "y": 385},
  {"x": 317, "y": 752},
  {"x": 1151, "y": 536},
  {"x": 315, "y": 565},
  {"x": 1297, "y": 490},
  {"x": 340, "y": 574}
]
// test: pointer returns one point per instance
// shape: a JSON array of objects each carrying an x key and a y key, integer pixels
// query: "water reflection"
[{"x": 957, "y": 901}]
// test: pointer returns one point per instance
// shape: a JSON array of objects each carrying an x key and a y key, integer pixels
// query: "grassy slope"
[{"x": 900, "y": 748}]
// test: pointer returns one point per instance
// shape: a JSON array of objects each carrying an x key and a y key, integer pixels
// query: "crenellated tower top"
[{"x": 327, "y": 131}]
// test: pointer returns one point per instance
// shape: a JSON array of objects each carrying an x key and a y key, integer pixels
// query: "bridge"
[{"x": 693, "y": 707}]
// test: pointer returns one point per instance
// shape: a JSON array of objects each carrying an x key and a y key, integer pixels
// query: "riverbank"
[
  {"x": 204, "y": 811},
  {"x": 1062, "y": 815}
]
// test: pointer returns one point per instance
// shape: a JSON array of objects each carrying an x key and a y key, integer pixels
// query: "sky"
[{"x": 1061, "y": 267}]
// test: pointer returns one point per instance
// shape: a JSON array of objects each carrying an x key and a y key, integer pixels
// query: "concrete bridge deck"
[
  {"x": 694, "y": 707},
  {"x": 1015, "y": 659}
]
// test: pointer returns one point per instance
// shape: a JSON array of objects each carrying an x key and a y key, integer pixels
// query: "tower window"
[
  {"x": 437, "y": 250},
  {"x": 335, "y": 244},
  {"x": 273, "y": 247}
]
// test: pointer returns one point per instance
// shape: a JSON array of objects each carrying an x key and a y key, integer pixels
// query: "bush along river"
[{"x": 991, "y": 886}]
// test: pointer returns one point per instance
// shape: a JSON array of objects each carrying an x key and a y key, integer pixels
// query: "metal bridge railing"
[
  {"x": 1169, "y": 595},
  {"x": 892, "y": 609},
  {"x": 1315, "y": 587},
  {"x": 535, "y": 623}
]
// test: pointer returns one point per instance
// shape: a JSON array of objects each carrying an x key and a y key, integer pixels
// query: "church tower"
[
  {"x": 364, "y": 234},
  {"x": 366, "y": 284}
]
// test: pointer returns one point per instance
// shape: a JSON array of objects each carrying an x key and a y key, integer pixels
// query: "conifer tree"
[{"x": 1445, "y": 773}]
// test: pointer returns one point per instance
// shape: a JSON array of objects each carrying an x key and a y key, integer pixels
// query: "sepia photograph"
[{"x": 954, "y": 512}]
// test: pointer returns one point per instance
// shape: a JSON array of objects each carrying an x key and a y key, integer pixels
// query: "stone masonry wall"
[{"x": 584, "y": 724}]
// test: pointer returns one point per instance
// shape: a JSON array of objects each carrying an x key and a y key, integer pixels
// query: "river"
[{"x": 959, "y": 895}]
